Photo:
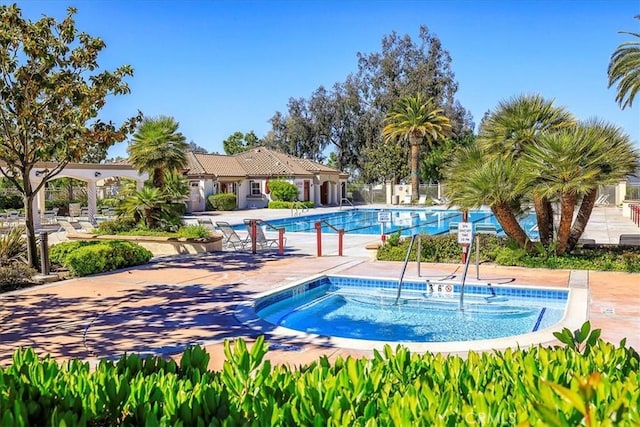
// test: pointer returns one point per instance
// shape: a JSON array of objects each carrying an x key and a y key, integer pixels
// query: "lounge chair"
[
  {"x": 68, "y": 227},
  {"x": 231, "y": 239},
  {"x": 439, "y": 202},
  {"x": 87, "y": 227},
  {"x": 421, "y": 201},
  {"x": 629, "y": 240}
]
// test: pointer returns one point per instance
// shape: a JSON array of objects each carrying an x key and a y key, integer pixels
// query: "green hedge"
[
  {"x": 278, "y": 204},
  {"x": 586, "y": 382},
  {"x": 222, "y": 202},
  {"x": 91, "y": 257},
  {"x": 502, "y": 251}
]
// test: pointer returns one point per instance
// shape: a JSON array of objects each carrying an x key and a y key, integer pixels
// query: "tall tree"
[
  {"x": 195, "y": 148},
  {"x": 624, "y": 70},
  {"x": 51, "y": 94},
  {"x": 157, "y": 147},
  {"x": 515, "y": 124},
  {"x": 417, "y": 121},
  {"x": 239, "y": 142}
]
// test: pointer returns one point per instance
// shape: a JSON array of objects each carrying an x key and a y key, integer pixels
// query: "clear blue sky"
[{"x": 219, "y": 67}]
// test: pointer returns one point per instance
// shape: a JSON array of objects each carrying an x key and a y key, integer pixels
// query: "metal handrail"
[
  {"x": 349, "y": 202},
  {"x": 404, "y": 268}
]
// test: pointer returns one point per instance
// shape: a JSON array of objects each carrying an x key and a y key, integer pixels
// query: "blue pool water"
[
  {"x": 408, "y": 221},
  {"x": 357, "y": 308}
]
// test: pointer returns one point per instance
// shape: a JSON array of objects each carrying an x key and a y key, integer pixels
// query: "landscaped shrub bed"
[
  {"x": 86, "y": 257},
  {"x": 279, "y": 204},
  {"x": 446, "y": 248},
  {"x": 590, "y": 382}
]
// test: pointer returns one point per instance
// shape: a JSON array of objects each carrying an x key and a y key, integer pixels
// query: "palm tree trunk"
[
  {"x": 415, "y": 157},
  {"x": 544, "y": 213},
  {"x": 158, "y": 178},
  {"x": 511, "y": 226},
  {"x": 568, "y": 202},
  {"x": 584, "y": 213}
]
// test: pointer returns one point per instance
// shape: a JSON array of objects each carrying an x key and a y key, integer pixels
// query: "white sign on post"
[
  {"x": 465, "y": 233},
  {"x": 384, "y": 216}
]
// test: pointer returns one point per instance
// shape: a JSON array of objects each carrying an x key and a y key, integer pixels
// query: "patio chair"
[
  {"x": 87, "y": 227},
  {"x": 262, "y": 241},
  {"x": 231, "y": 239},
  {"x": 422, "y": 200},
  {"x": 207, "y": 222},
  {"x": 68, "y": 227}
]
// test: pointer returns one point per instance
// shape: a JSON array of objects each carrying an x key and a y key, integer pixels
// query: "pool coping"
[{"x": 576, "y": 313}]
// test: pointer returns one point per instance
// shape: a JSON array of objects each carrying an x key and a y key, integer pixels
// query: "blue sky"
[{"x": 219, "y": 67}]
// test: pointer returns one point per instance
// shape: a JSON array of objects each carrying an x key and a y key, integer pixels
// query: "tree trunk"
[
  {"x": 158, "y": 178},
  {"x": 542, "y": 206},
  {"x": 568, "y": 202},
  {"x": 511, "y": 226},
  {"x": 415, "y": 157},
  {"x": 32, "y": 246},
  {"x": 584, "y": 213}
]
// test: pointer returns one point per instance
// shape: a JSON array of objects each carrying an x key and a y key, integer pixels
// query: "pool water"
[
  {"x": 407, "y": 221},
  {"x": 356, "y": 308}
]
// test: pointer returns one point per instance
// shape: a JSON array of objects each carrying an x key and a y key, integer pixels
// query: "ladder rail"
[{"x": 404, "y": 267}]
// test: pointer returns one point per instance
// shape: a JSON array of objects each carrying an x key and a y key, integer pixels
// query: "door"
[{"x": 307, "y": 191}]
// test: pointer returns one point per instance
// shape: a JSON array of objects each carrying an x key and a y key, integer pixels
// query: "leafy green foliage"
[
  {"x": 503, "y": 251},
  {"x": 283, "y": 191},
  {"x": 116, "y": 226},
  {"x": 64, "y": 99},
  {"x": 533, "y": 386},
  {"x": 11, "y": 201},
  {"x": 91, "y": 257},
  {"x": 14, "y": 274},
  {"x": 290, "y": 205},
  {"x": 13, "y": 245},
  {"x": 222, "y": 202}
]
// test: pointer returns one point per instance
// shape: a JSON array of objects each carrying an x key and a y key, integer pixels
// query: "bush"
[
  {"x": 11, "y": 201},
  {"x": 15, "y": 274},
  {"x": 222, "y": 202},
  {"x": 282, "y": 191},
  {"x": 116, "y": 226},
  {"x": 584, "y": 382},
  {"x": 13, "y": 245},
  {"x": 503, "y": 251},
  {"x": 90, "y": 257},
  {"x": 275, "y": 204},
  {"x": 193, "y": 232}
]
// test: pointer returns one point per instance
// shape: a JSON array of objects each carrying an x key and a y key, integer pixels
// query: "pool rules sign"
[{"x": 465, "y": 233}]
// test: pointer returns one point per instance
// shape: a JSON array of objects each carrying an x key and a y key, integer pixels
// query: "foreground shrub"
[
  {"x": 588, "y": 381},
  {"x": 222, "y": 202},
  {"x": 90, "y": 257}
]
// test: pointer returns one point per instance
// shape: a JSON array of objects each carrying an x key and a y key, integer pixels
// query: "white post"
[{"x": 91, "y": 199}]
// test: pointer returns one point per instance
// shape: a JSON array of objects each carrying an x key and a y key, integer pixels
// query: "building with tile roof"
[{"x": 247, "y": 175}]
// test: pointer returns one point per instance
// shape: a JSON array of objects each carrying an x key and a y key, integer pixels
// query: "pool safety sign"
[
  {"x": 384, "y": 216},
  {"x": 465, "y": 233}
]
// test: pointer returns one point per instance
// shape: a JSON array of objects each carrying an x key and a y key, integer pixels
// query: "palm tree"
[
  {"x": 417, "y": 121},
  {"x": 475, "y": 179},
  {"x": 624, "y": 70},
  {"x": 562, "y": 165},
  {"x": 158, "y": 147},
  {"x": 516, "y": 124},
  {"x": 615, "y": 159}
]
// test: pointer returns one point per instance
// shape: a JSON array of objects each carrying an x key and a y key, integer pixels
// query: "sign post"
[
  {"x": 465, "y": 236},
  {"x": 383, "y": 217}
]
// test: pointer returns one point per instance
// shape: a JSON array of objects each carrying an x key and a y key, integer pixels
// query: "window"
[{"x": 255, "y": 189}]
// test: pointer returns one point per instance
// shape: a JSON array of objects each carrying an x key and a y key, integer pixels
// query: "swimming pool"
[
  {"x": 365, "y": 309},
  {"x": 407, "y": 221}
]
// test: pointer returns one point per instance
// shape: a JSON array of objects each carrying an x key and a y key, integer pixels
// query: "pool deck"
[{"x": 174, "y": 301}]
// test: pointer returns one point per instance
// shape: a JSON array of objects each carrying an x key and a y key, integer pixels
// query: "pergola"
[{"x": 91, "y": 173}]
